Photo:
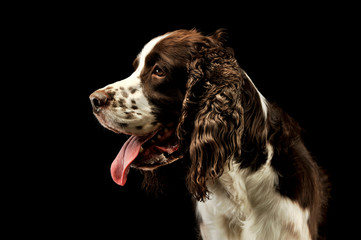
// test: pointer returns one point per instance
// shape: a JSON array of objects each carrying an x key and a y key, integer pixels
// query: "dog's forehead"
[{"x": 148, "y": 49}]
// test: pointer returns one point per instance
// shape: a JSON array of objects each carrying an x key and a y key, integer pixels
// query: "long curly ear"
[{"x": 211, "y": 123}]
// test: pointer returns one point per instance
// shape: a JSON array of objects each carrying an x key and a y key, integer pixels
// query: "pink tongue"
[{"x": 121, "y": 164}]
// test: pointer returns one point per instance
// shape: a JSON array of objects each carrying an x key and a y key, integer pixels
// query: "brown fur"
[{"x": 211, "y": 121}]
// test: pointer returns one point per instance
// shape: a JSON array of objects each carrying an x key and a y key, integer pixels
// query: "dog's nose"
[{"x": 98, "y": 99}]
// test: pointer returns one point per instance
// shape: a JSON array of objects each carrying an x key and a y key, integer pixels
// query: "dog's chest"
[
  {"x": 245, "y": 205},
  {"x": 230, "y": 196},
  {"x": 228, "y": 207}
]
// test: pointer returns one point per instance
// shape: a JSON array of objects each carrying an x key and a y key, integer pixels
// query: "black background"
[{"x": 60, "y": 176}]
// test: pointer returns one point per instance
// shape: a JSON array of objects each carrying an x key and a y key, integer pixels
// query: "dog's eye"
[{"x": 158, "y": 71}]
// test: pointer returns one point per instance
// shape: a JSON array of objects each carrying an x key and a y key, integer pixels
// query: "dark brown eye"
[{"x": 158, "y": 71}]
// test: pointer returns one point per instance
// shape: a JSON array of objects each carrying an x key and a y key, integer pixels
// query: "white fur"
[
  {"x": 245, "y": 205},
  {"x": 143, "y": 114}
]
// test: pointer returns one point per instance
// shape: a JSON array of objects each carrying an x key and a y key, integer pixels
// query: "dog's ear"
[{"x": 211, "y": 122}]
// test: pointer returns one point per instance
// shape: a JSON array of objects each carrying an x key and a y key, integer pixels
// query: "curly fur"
[{"x": 212, "y": 115}]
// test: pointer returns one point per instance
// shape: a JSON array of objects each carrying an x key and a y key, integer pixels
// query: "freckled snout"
[{"x": 99, "y": 99}]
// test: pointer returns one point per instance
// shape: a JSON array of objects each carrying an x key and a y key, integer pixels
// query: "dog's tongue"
[{"x": 121, "y": 164}]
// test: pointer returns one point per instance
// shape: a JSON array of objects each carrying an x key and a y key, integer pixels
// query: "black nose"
[{"x": 98, "y": 99}]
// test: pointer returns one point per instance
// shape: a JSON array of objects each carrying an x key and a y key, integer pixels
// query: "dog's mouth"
[{"x": 146, "y": 152}]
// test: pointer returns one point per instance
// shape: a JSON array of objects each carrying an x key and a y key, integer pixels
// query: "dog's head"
[{"x": 184, "y": 100}]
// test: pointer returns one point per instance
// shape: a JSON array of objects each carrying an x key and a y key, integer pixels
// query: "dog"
[{"x": 189, "y": 100}]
